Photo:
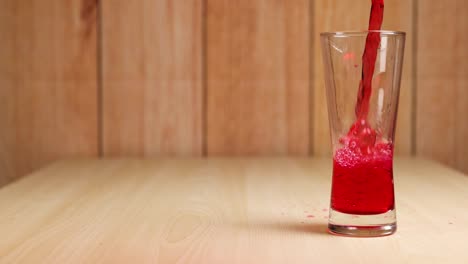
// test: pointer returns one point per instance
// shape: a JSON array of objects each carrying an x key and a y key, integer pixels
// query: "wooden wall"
[
  {"x": 442, "y": 82},
  {"x": 210, "y": 77},
  {"x": 48, "y": 73},
  {"x": 152, "y": 77}
]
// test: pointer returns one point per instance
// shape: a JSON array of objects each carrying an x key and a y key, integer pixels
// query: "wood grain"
[
  {"x": 257, "y": 77},
  {"x": 220, "y": 211},
  {"x": 442, "y": 130},
  {"x": 339, "y": 15},
  {"x": 152, "y": 77},
  {"x": 48, "y": 105}
]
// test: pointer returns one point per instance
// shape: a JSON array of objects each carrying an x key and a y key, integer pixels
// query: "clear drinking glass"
[{"x": 362, "y": 199}]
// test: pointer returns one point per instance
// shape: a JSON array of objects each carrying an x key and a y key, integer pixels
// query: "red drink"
[
  {"x": 363, "y": 128},
  {"x": 368, "y": 59},
  {"x": 363, "y": 173},
  {"x": 363, "y": 183},
  {"x": 362, "y": 167}
]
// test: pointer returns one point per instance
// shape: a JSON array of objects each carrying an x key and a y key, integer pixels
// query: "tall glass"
[{"x": 362, "y": 198}]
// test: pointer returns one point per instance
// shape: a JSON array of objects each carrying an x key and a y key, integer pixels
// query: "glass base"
[{"x": 362, "y": 225}]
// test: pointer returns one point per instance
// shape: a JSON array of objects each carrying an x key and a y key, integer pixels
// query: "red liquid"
[
  {"x": 362, "y": 168},
  {"x": 368, "y": 59},
  {"x": 363, "y": 183}
]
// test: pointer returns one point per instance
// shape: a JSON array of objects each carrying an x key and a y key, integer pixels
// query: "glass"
[{"x": 362, "y": 198}]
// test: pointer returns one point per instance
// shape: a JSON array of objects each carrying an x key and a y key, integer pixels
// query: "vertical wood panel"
[
  {"x": 258, "y": 77},
  {"x": 343, "y": 15},
  {"x": 48, "y": 106},
  {"x": 442, "y": 92},
  {"x": 152, "y": 77}
]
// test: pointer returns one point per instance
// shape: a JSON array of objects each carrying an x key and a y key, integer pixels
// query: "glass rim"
[{"x": 362, "y": 33}]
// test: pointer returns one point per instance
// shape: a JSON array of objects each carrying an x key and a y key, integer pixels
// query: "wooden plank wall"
[
  {"x": 152, "y": 77},
  {"x": 48, "y": 103},
  {"x": 442, "y": 82},
  {"x": 210, "y": 77},
  {"x": 258, "y": 66}
]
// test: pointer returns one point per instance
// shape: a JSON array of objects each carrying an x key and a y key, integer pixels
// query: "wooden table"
[{"x": 267, "y": 210}]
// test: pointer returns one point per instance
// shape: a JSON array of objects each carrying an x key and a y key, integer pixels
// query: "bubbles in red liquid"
[
  {"x": 361, "y": 137},
  {"x": 362, "y": 173}
]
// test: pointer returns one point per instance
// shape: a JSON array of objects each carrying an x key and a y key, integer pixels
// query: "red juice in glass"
[
  {"x": 363, "y": 183},
  {"x": 367, "y": 64}
]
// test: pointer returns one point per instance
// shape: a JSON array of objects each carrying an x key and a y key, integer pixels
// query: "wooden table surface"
[{"x": 266, "y": 210}]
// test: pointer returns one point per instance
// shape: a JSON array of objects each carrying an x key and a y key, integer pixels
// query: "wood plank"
[
  {"x": 48, "y": 105},
  {"x": 152, "y": 77},
  {"x": 338, "y": 15},
  {"x": 462, "y": 86},
  {"x": 442, "y": 130},
  {"x": 191, "y": 211},
  {"x": 258, "y": 77}
]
